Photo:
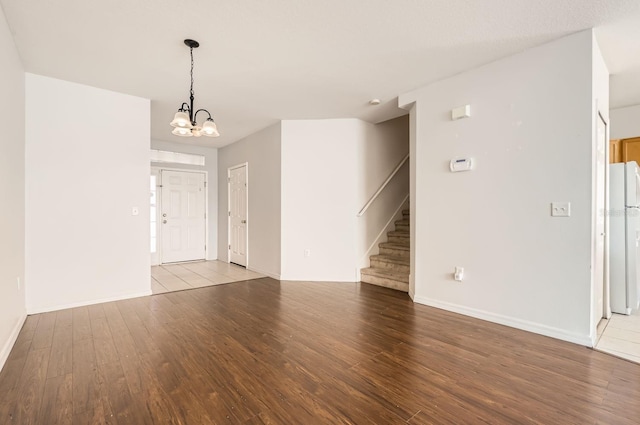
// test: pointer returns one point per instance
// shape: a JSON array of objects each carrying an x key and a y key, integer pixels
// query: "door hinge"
[
  {"x": 205, "y": 184},
  {"x": 229, "y": 213},
  {"x": 229, "y": 179},
  {"x": 229, "y": 246}
]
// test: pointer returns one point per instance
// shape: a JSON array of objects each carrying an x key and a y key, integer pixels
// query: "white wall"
[
  {"x": 379, "y": 152},
  {"x": 531, "y": 136},
  {"x": 319, "y": 202},
  {"x": 211, "y": 167},
  {"x": 12, "y": 303},
  {"x": 87, "y": 166},
  {"x": 261, "y": 151},
  {"x": 625, "y": 122}
]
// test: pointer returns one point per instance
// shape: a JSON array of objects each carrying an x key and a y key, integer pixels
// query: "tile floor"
[
  {"x": 621, "y": 336},
  {"x": 179, "y": 276}
]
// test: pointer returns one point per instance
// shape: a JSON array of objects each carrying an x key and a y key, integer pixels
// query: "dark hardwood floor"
[{"x": 269, "y": 352}]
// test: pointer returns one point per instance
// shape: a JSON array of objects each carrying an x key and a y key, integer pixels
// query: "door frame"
[
  {"x": 607, "y": 292},
  {"x": 155, "y": 258},
  {"x": 246, "y": 234},
  {"x": 159, "y": 208},
  {"x": 597, "y": 210}
]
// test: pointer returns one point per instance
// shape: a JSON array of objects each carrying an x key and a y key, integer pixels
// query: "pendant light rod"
[{"x": 184, "y": 120}]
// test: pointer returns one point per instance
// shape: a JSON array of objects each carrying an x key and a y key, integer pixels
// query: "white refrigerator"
[{"x": 624, "y": 234}]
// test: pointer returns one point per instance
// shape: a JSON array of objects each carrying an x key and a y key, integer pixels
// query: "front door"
[
  {"x": 238, "y": 215},
  {"x": 183, "y": 216}
]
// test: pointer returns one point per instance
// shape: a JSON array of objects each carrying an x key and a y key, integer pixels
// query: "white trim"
[
  {"x": 412, "y": 293},
  {"x": 13, "y": 337},
  {"x": 508, "y": 321},
  {"x": 39, "y": 310},
  {"x": 595, "y": 212},
  {"x": 246, "y": 194},
  {"x": 155, "y": 258},
  {"x": 266, "y": 273},
  {"x": 159, "y": 156}
]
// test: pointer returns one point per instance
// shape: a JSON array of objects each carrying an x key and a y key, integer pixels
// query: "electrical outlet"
[{"x": 560, "y": 209}]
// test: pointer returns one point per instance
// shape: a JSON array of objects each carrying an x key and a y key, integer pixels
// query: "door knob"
[
  {"x": 164, "y": 221},
  {"x": 243, "y": 221},
  {"x": 164, "y": 215}
]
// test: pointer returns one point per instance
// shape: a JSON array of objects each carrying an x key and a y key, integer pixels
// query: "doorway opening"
[
  {"x": 600, "y": 249},
  {"x": 238, "y": 229}
]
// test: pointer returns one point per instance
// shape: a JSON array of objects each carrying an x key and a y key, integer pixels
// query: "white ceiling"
[{"x": 265, "y": 60}]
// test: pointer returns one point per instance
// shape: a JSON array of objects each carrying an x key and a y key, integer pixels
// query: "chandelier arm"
[{"x": 199, "y": 110}]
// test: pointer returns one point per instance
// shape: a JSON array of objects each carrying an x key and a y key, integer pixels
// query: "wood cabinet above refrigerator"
[{"x": 624, "y": 150}]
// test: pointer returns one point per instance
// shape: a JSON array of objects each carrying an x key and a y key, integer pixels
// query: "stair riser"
[
  {"x": 395, "y": 252},
  {"x": 402, "y": 227},
  {"x": 387, "y": 283},
  {"x": 405, "y": 215},
  {"x": 401, "y": 268},
  {"x": 399, "y": 239}
]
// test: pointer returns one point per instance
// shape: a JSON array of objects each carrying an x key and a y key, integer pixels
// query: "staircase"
[{"x": 390, "y": 268}]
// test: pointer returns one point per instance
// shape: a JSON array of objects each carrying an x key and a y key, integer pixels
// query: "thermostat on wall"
[{"x": 460, "y": 164}]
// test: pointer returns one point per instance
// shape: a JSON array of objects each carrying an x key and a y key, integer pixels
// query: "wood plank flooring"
[{"x": 270, "y": 352}]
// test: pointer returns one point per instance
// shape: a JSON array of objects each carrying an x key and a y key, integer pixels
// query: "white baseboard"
[
  {"x": 45, "y": 309},
  {"x": 524, "y": 325},
  {"x": 264, "y": 272},
  {"x": 6, "y": 349}
]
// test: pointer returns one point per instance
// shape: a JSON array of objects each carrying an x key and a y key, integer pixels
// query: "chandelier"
[{"x": 184, "y": 120}]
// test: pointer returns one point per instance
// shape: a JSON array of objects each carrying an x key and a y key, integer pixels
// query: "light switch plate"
[{"x": 560, "y": 209}]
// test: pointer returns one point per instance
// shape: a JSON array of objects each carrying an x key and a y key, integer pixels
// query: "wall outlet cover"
[{"x": 561, "y": 209}]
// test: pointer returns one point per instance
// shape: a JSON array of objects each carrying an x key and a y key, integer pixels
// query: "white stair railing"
[{"x": 381, "y": 188}]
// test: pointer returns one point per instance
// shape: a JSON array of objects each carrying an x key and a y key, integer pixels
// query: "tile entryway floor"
[
  {"x": 621, "y": 336},
  {"x": 179, "y": 276}
]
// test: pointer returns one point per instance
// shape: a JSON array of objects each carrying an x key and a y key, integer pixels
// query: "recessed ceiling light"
[{"x": 374, "y": 102}]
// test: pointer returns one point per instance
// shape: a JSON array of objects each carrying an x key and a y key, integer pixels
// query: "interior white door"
[
  {"x": 599, "y": 248},
  {"x": 154, "y": 216},
  {"x": 238, "y": 215},
  {"x": 183, "y": 216}
]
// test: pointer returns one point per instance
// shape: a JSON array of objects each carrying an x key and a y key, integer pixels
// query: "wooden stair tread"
[
  {"x": 395, "y": 245},
  {"x": 404, "y": 233},
  {"x": 391, "y": 259},
  {"x": 383, "y": 272}
]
